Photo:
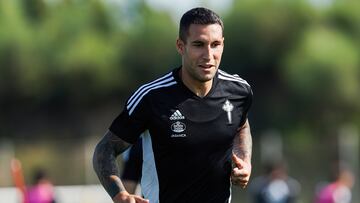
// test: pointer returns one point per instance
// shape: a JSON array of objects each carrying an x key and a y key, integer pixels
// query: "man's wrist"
[
  {"x": 115, "y": 187},
  {"x": 113, "y": 190}
]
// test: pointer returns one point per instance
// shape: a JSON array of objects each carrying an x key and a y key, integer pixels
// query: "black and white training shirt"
[{"x": 187, "y": 140}]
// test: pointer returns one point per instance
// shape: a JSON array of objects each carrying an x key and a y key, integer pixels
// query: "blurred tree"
[
  {"x": 257, "y": 36},
  {"x": 15, "y": 36},
  {"x": 67, "y": 56},
  {"x": 74, "y": 49},
  {"x": 346, "y": 17},
  {"x": 323, "y": 76},
  {"x": 65, "y": 62},
  {"x": 74, "y": 54},
  {"x": 35, "y": 10},
  {"x": 150, "y": 47}
]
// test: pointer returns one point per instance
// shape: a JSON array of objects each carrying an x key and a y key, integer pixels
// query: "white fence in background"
[{"x": 64, "y": 194}]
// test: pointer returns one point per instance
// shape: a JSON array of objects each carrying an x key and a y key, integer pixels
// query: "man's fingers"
[
  {"x": 234, "y": 158},
  {"x": 140, "y": 199},
  {"x": 126, "y": 197},
  {"x": 240, "y": 182},
  {"x": 238, "y": 162},
  {"x": 240, "y": 177},
  {"x": 240, "y": 172}
]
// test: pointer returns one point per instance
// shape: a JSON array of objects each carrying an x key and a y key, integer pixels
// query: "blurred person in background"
[
  {"x": 193, "y": 123},
  {"x": 42, "y": 190},
  {"x": 131, "y": 173},
  {"x": 276, "y": 186},
  {"x": 339, "y": 190}
]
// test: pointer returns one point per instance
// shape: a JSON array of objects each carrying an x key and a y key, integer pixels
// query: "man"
[
  {"x": 193, "y": 124},
  {"x": 339, "y": 190},
  {"x": 42, "y": 191},
  {"x": 275, "y": 186}
]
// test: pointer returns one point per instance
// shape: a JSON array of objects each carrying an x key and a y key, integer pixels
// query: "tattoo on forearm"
[
  {"x": 243, "y": 143},
  {"x": 104, "y": 162}
]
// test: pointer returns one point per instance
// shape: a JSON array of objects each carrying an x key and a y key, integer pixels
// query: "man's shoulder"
[
  {"x": 233, "y": 81},
  {"x": 166, "y": 80},
  {"x": 159, "y": 81}
]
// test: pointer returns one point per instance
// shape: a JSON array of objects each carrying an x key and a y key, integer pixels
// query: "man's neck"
[{"x": 201, "y": 89}]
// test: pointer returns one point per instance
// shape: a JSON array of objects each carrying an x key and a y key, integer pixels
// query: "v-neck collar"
[{"x": 176, "y": 75}]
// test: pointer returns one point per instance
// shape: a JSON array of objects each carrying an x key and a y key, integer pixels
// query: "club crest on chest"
[{"x": 228, "y": 107}]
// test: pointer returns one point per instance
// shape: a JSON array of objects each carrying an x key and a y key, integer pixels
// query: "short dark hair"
[{"x": 200, "y": 16}]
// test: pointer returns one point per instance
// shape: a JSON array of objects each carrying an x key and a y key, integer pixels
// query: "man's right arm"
[{"x": 106, "y": 168}]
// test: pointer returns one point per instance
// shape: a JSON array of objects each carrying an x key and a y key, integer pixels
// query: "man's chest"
[{"x": 193, "y": 123}]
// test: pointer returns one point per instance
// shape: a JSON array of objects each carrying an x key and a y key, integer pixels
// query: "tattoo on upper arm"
[
  {"x": 243, "y": 142},
  {"x": 104, "y": 162}
]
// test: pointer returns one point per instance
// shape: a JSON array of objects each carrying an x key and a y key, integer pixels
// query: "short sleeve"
[
  {"x": 131, "y": 122},
  {"x": 247, "y": 106}
]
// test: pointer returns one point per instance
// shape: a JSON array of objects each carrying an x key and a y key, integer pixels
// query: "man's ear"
[{"x": 180, "y": 46}]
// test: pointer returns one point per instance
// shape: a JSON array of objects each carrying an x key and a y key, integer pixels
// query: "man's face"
[{"x": 202, "y": 51}]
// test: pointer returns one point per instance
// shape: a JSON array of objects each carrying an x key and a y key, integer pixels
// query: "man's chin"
[{"x": 207, "y": 78}]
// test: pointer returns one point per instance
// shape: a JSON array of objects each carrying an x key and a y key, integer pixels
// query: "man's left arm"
[{"x": 241, "y": 156}]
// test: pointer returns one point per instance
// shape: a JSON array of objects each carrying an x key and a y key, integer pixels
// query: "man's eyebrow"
[
  {"x": 197, "y": 42},
  {"x": 216, "y": 41}
]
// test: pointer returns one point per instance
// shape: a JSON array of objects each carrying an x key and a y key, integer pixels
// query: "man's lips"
[{"x": 206, "y": 66}]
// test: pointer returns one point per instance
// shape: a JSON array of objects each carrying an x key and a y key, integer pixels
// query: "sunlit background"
[{"x": 67, "y": 67}]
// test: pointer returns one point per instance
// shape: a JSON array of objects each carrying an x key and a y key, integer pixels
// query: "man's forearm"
[
  {"x": 104, "y": 162},
  {"x": 243, "y": 143}
]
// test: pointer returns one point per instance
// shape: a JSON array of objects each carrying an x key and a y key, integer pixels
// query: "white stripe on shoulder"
[
  {"x": 143, "y": 87},
  {"x": 140, "y": 92},
  {"x": 131, "y": 107},
  {"x": 226, "y": 76},
  {"x": 234, "y": 76}
]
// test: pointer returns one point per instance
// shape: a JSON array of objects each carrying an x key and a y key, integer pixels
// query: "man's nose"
[{"x": 207, "y": 52}]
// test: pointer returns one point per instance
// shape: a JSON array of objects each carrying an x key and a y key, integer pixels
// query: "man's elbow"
[
  {"x": 99, "y": 154},
  {"x": 95, "y": 158}
]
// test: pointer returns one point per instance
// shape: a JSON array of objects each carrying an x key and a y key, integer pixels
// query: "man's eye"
[
  {"x": 216, "y": 44},
  {"x": 197, "y": 45}
]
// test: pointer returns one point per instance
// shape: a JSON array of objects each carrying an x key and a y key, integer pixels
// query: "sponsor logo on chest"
[
  {"x": 177, "y": 127},
  {"x": 177, "y": 116}
]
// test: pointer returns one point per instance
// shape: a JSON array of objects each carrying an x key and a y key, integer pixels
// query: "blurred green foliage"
[
  {"x": 303, "y": 62},
  {"x": 72, "y": 55},
  {"x": 67, "y": 65},
  {"x": 64, "y": 58},
  {"x": 70, "y": 48}
]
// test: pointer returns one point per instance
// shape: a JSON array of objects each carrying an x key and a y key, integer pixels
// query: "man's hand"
[
  {"x": 241, "y": 171},
  {"x": 125, "y": 197}
]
